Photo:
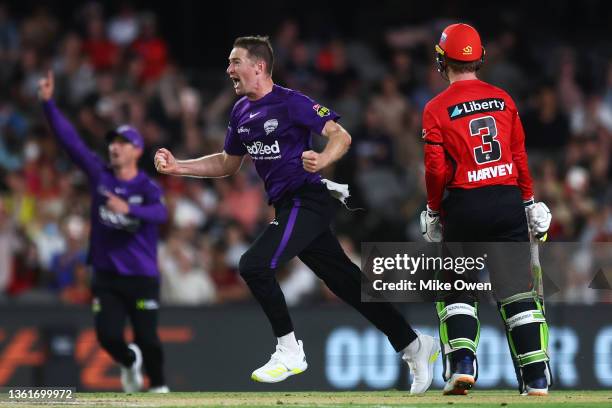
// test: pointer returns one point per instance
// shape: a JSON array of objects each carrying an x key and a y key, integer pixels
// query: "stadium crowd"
[{"x": 114, "y": 66}]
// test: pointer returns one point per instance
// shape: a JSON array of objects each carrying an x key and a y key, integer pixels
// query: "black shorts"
[
  {"x": 129, "y": 289},
  {"x": 491, "y": 222},
  {"x": 486, "y": 214}
]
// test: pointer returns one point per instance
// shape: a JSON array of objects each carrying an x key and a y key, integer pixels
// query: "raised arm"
[
  {"x": 214, "y": 165},
  {"x": 337, "y": 145},
  {"x": 64, "y": 132}
]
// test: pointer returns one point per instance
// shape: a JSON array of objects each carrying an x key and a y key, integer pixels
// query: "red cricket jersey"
[{"x": 473, "y": 138}]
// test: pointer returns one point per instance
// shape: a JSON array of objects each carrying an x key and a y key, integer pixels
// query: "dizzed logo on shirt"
[
  {"x": 261, "y": 151},
  {"x": 463, "y": 109},
  {"x": 117, "y": 221}
]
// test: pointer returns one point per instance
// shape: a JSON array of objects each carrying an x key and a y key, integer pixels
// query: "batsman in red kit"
[{"x": 479, "y": 190}]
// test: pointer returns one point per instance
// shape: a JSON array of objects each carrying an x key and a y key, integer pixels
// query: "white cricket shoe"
[
  {"x": 421, "y": 362},
  {"x": 283, "y": 363},
  {"x": 537, "y": 388},
  {"x": 162, "y": 389},
  {"x": 131, "y": 377},
  {"x": 463, "y": 378},
  {"x": 459, "y": 384}
]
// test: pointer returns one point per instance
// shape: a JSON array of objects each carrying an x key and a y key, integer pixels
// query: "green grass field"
[{"x": 570, "y": 399}]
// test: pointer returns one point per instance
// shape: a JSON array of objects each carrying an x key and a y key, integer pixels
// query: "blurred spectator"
[
  {"x": 26, "y": 267},
  {"x": 297, "y": 281},
  {"x": 402, "y": 70},
  {"x": 74, "y": 74},
  {"x": 103, "y": 53},
  {"x": 300, "y": 71},
  {"x": 18, "y": 202},
  {"x": 546, "y": 126},
  {"x": 242, "y": 200},
  {"x": 64, "y": 264},
  {"x": 13, "y": 128},
  {"x": 284, "y": 42},
  {"x": 39, "y": 30},
  {"x": 333, "y": 64},
  {"x": 229, "y": 286},
  {"x": 184, "y": 281},
  {"x": 391, "y": 107},
  {"x": 236, "y": 245},
  {"x": 123, "y": 28},
  {"x": 78, "y": 292},
  {"x": 8, "y": 246},
  {"x": 151, "y": 48},
  {"x": 9, "y": 43}
]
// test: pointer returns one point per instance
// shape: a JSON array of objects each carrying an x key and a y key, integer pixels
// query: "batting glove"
[
  {"x": 430, "y": 225},
  {"x": 538, "y": 218}
]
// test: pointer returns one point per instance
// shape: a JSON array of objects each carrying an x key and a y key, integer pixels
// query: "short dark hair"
[
  {"x": 461, "y": 66},
  {"x": 258, "y": 47}
]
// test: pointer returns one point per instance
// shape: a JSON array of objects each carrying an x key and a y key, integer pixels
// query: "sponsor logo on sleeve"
[
  {"x": 463, "y": 109},
  {"x": 322, "y": 111}
]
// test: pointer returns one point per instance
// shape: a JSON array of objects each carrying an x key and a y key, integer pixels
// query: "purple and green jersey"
[
  {"x": 275, "y": 130},
  {"x": 125, "y": 244}
]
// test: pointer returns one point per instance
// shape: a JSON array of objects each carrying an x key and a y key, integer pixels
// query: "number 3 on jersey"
[{"x": 486, "y": 128}]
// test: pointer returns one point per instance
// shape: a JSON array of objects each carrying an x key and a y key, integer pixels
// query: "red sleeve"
[
  {"x": 519, "y": 157},
  {"x": 435, "y": 160}
]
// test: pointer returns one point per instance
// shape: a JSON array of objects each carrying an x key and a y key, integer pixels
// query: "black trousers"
[
  {"x": 302, "y": 228},
  {"x": 118, "y": 297},
  {"x": 476, "y": 220}
]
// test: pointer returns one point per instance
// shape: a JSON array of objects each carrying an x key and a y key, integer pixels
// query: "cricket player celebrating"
[
  {"x": 475, "y": 150},
  {"x": 126, "y": 211},
  {"x": 273, "y": 125}
]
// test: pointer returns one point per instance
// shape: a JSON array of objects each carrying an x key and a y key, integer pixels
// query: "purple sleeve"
[
  {"x": 65, "y": 133},
  {"x": 153, "y": 211},
  {"x": 233, "y": 145},
  {"x": 309, "y": 114}
]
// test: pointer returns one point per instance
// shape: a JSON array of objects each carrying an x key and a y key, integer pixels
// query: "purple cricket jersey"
[
  {"x": 275, "y": 130},
  {"x": 123, "y": 244}
]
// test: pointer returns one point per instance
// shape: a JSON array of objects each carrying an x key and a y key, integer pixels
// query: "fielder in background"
[
  {"x": 273, "y": 125},
  {"x": 126, "y": 211},
  {"x": 475, "y": 150}
]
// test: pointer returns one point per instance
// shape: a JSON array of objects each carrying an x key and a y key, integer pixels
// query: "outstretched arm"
[
  {"x": 214, "y": 165},
  {"x": 337, "y": 145},
  {"x": 65, "y": 132}
]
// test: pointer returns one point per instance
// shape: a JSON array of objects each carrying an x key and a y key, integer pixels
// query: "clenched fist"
[
  {"x": 165, "y": 162},
  {"x": 117, "y": 204},
  {"x": 313, "y": 161},
  {"x": 46, "y": 86}
]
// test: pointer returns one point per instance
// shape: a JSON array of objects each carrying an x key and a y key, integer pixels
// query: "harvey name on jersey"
[{"x": 489, "y": 172}]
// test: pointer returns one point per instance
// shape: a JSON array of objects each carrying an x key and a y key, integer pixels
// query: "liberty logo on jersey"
[
  {"x": 260, "y": 151},
  {"x": 472, "y": 107}
]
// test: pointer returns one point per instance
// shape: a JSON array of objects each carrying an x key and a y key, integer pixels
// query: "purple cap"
[{"x": 128, "y": 133}]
